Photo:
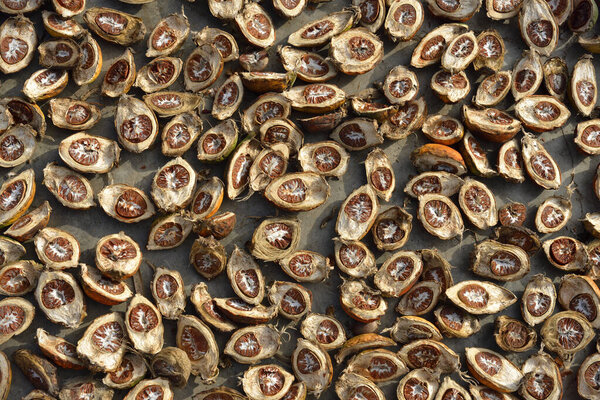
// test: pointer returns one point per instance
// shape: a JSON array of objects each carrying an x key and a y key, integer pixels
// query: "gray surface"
[{"x": 138, "y": 170}]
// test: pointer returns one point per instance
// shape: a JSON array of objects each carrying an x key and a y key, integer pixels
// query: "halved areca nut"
[
  {"x": 553, "y": 214},
  {"x": 377, "y": 365},
  {"x": 71, "y": 189},
  {"x": 217, "y": 143},
  {"x": 401, "y": 85},
  {"x": 299, "y": 191},
  {"x": 73, "y": 114},
  {"x": 125, "y": 203},
  {"x": 120, "y": 75},
  {"x": 293, "y": 301},
  {"x": 245, "y": 277},
  {"x": 436, "y": 268},
  {"x": 89, "y": 154},
  {"x": 583, "y": 87},
  {"x": 310, "y": 67},
  {"x": 144, "y": 325},
  {"x": 225, "y": 10},
  {"x": 356, "y": 51},
  {"x": 271, "y": 163},
  {"x": 56, "y": 248},
  {"x": 439, "y": 216},
  {"x": 357, "y": 214},
  {"x": 566, "y": 253},
  {"x": 586, "y": 381},
  {"x": 59, "y": 53},
  {"x": 306, "y": 266},
  {"x": 461, "y": 51},
  {"x": 404, "y": 120},
  {"x": 500, "y": 9},
  {"x": 325, "y": 330},
  {"x": 587, "y": 136},
  {"x": 351, "y": 385},
  {"x": 180, "y": 133},
  {"x": 90, "y": 63},
  {"x": 513, "y": 335},
  {"x": 478, "y": 203},
  {"x": 312, "y": 365},
  {"x": 452, "y": 10},
  {"x": 136, "y": 124},
  {"x": 20, "y": 312},
  {"x": 420, "y": 299},
  {"x": 491, "y": 50},
  {"x": 430, "y": 49},
  {"x": 319, "y": 32},
  {"x": 252, "y": 344},
  {"x": 102, "y": 289},
  {"x": 266, "y": 107},
  {"x": 198, "y": 341},
  {"x": 115, "y": 26},
  {"x": 268, "y": 381},
  {"x": 168, "y": 35},
  {"x": 357, "y": 134},
  {"x": 17, "y": 278},
  {"x": 527, "y": 75},
  {"x": 380, "y": 174},
  {"x": 539, "y": 28},
  {"x": 275, "y": 238},
  {"x": 475, "y": 157},
  {"x": 480, "y": 297},
  {"x": 19, "y": 42},
  {"x": 450, "y": 87},
  {"x": 399, "y": 273},
  {"x": 45, "y": 83},
  {"x": 567, "y": 333},
  {"x": 16, "y": 195},
  {"x": 238, "y": 169},
  {"x": 228, "y": 98},
  {"x": 222, "y": 40},
  {"x": 404, "y": 19},
  {"x": 17, "y": 7},
  {"x": 326, "y": 158},
  {"x": 443, "y": 129},
  {"x": 438, "y": 157},
  {"x": 538, "y": 300},
  {"x": 493, "y": 89},
  {"x": 455, "y": 322},
  {"x": 256, "y": 25},
  {"x": 17, "y": 145},
  {"x": 491, "y": 124},
  {"x": 427, "y": 353},
  {"x": 240, "y": 311},
  {"x": 158, "y": 74},
  {"x": 102, "y": 346},
  {"x": 361, "y": 303},
  {"x": 493, "y": 369},
  {"x": 556, "y": 77},
  {"x": 169, "y": 232},
  {"x": 169, "y": 103},
  {"x": 208, "y": 257},
  {"x": 443, "y": 183},
  {"x": 391, "y": 228},
  {"x": 354, "y": 258},
  {"x": 131, "y": 371},
  {"x": 315, "y": 98},
  {"x": 510, "y": 162},
  {"x": 202, "y": 67},
  {"x": 502, "y": 262},
  {"x": 372, "y": 13},
  {"x": 26, "y": 226},
  {"x": 207, "y": 199},
  {"x": 581, "y": 294},
  {"x": 206, "y": 307},
  {"x": 539, "y": 164}
]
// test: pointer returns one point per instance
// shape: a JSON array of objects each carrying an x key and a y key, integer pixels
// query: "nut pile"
[{"x": 278, "y": 103}]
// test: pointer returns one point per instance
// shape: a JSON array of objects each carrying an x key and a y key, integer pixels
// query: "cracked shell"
[
  {"x": 266, "y": 382},
  {"x": 538, "y": 26},
  {"x": 478, "y": 203},
  {"x": 102, "y": 346},
  {"x": 583, "y": 87},
  {"x": 443, "y": 183},
  {"x": 312, "y": 365},
  {"x": 510, "y": 162},
  {"x": 256, "y": 25},
  {"x": 351, "y": 386},
  {"x": 527, "y": 75},
  {"x": 581, "y": 294},
  {"x": 404, "y": 19},
  {"x": 325, "y": 330},
  {"x": 59, "y": 53},
  {"x": 118, "y": 256},
  {"x": 354, "y": 258},
  {"x": 19, "y": 37},
  {"x": 418, "y": 383},
  {"x": 556, "y": 77},
  {"x": 566, "y": 333},
  {"x": 455, "y": 322},
  {"x": 18, "y": 278},
  {"x": 253, "y": 344},
  {"x": 357, "y": 134},
  {"x": 120, "y": 75},
  {"x": 502, "y": 262},
  {"x": 45, "y": 83},
  {"x": 198, "y": 341},
  {"x": 275, "y": 238},
  {"x": 17, "y": 145},
  {"x": 420, "y": 299},
  {"x": 513, "y": 335},
  {"x": 460, "y": 52},
  {"x": 440, "y": 216},
  {"x": 566, "y": 253},
  {"x": 539, "y": 164},
  {"x": 493, "y": 89},
  {"x": 71, "y": 189},
  {"x": 430, "y": 354},
  {"x": 436, "y": 268},
  {"x": 357, "y": 214},
  {"x": 377, "y": 365},
  {"x": 450, "y": 87},
  {"x": 491, "y": 51},
  {"x": 206, "y": 307},
  {"x": 538, "y": 300},
  {"x": 306, "y": 266},
  {"x": 480, "y": 297},
  {"x": 115, "y": 26},
  {"x": 404, "y": 120},
  {"x": 222, "y": 40},
  {"x": 309, "y": 67},
  {"x": 541, "y": 378},
  {"x": 158, "y": 388},
  {"x": 168, "y": 35},
  {"x": 553, "y": 214},
  {"x": 88, "y": 153},
  {"x": 60, "y": 298},
  {"x": 400, "y": 85},
  {"x": 298, "y": 191},
  {"x": 180, "y": 133},
  {"x": 136, "y": 124},
  {"x": 102, "y": 289},
  {"x": 73, "y": 114},
  {"x": 202, "y": 67},
  {"x": 158, "y": 74},
  {"x": 69, "y": 8},
  {"x": 173, "y": 185},
  {"x": 90, "y": 64},
  {"x": 399, "y": 273},
  {"x": 361, "y": 302},
  {"x": 58, "y": 350},
  {"x": 169, "y": 103},
  {"x": 56, "y": 248},
  {"x": 321, "y": 31},
  {"x": 218, "y": 142},
  {"x": 10, "y": 251},
  {"x": 391, "y": 228},
  {"x": 493, "y": 369},
  {"x": 125, "y": 203},
  {"x": 293, "y": 301},
  {"x": 491, "y": 124},
  {"x": 409, "y": 328},
  {"x": 168, "y": 292}
]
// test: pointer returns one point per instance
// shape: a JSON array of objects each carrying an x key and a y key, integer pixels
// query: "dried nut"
[
  {"x": 357, "y": 214},
  {"x": 436, "y": 268},
  {"x": 450, "y": 389},
  {"x": 240, "y": 162},
  {"x": 542, "y": 377},
  {"x": 89, "y": 154},
  {"x": 404, "y": 120},
  {"x": 169, "y": 103},
  {"x": 292, "y": 300},
  {"x": 59, "y": 53},
  {"x": 542, "y": 113},
  {"x": 527, "y": 75},
  {"x": 438, "y": 157},
  {"x": 380, "y": 174},
  {"x": 586, "y": 136},
  {"x": 493, "y": 89},
  {"x": 26, "y": 113},
  {"x": 218, "y": 226},
  {"x": 56, "y": 248},
  {"x": 476, "y": 157},
  {"x": 207, "y": 309},
  {"x": 321, "y": 31},
  {"x": 403, "y": 20},
  {"x": 6, "y": 119},
  {"x": 256, "y": 25},
  {"x": 306, "y": 266},
  {"x": 19, "y": 277},
  {"x": 370, "y": 104},
  {"x": 20, "y": 7},
  {"x": 315, "y": 98},
  {"x": 225, "y": 10},
  {"x": 169, "y": 232},
  {"x": 222, "y": 40},
  {"x": 168, "y": 35},
  {"x": 118, "y": 256},
  {"x": 512, "y": 214},
  {"x": 10, "y": 251},
  {"x": 19, "y": 42},
  {"x": 513, "y": 335},
  {"x": 480, "y": 297},
  {"x": 90, "y": 63},
  {"x": 377, "y": 365},
  {"x": 493, "y": 369},
  {"x": 450, "y": 87},
  {"x": 179, "y": 134},
  {"x": 443, "y": 129},
  {"x": 131, "y": 371},
  {"x": 228, "y": 98},
  {"x": 362, "y": 342},
  {"x": 262, "y": 82},
  {"x": 420, "y": 299},
  {"x": 538, "y": 300},
  {"x": 45, "y": 83},
  {"x": 566, "y": 253},
  {"x": 289, "y": 9},
  {"x": 325, "y": 330},
  {"x": 309, "y": 67},
  {"x": 244, "y": 313},
  {"x": 539, "y": 164},
  {"x": 583, "y": 87},
  {"x": 281, "y": 130},
  {"x": 399, "y": 273},
  {"x": 158, "y": 388},
  {"x": 266, "y": 382},
  {"x": 254, "y": 61},
  {"x": 198, "y": 341},
  {"x": 491, "y": 124},
  {"x": 593, "y": 249},
  {"x": 202, "y": 67},
  {"x": 485, "y": 393},
  {"x": 73, "y": 114},
  {"x": 61, "y": 27},
  {"x": 391, "y": 229},
  {"x": 502, "y": 262},
  {"x": 208, "y": 257},
  {"x": 125, "y": 203},
  {"x": 430, "y": 49},
  {"x": 430, "y": 354},
  {"x": 454, "y": 11},
  {"x": 361, "y": 302},
  {"x": 460, "y": 52},
  {"x": 40, "y": 372},
  {"x": 539, "y": 28},
  {"x": 136, "y": 124},
  {"x": 443, "y": 183},
  {"x": 101, "y": 289},
  {"x": 510, "y": 162},
  {"x": 253, "y": 344},
  {"x": 400, "y": 86},
  {"x": 218, "y": 142},
  {"x": 566, "y": 333},
  {"x": 439, "y": 216},
  {"x": 115, "y": 26},
  {"x": 299, "y": 191},
  {"x": 158, "y": 74},
  {"x": 168, "y": 292},
  {"x": 60, "y": 298},
  {"x": 103, "y": 344},
  {"x": 583, "y": 18},
  {"x": 491, "y": 51},
  {"x": 354, "y": 258},
  {"x": 57, "y": 349},
  {"x": 407, "y": 329},
  {"x": 581, "y": 294},
  {"x": 553, "y": 214},
  {"x": 173, "y": 364},
  {"x": 120, "y": 76},
  {"x": 19, "y": 313},
  {"x": 173, "y": 185},
  {"x": 223, "y": 391},
  {"x": 245, "y": 277},
  {"x": 418, "y": 384},
  {"x": 351, "y": 386},
  {"x": 477, "y": 202},
  {"x": 326, "y": 158},
  {"x": 454, "y": 322},
  {"x": 71, "y": 189},
  {"x": 556, "y": 77},
  {"x": 16, "y": 195},
  {"x": 591, "y": 223},
  {"x": 357, "y": 134},
  {"x": 312, "y": 365},
  {"x": 275, "y": 238},
  {"x": 587, "y": 383}
]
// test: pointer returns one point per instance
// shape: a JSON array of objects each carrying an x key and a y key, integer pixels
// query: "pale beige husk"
[
  {"x": 129, "y": 107},
  {"x": 555, "y": 65},
  {"x": 268, "y": 338},
  {"x": 316, "y": 381},
  {"x": 29, "y": 314},
  {"x": 146, "y": 82},
  {"x": 58, "y": 112},
  {"x": 542, "y": 284},
  {"x": 225, "y": 10},
  {"x": 72, "y": 30},
  {"x": 319, "y": 266},
  {"x": 453, "y": 226},
  {"x": 347, "y": 384},
  {"x": 530, "y": 60},
  {"x": 433, "y": 123},
  {"x": 349, "y": 229},
  {"x": 508, "y": 378},
  {"x": 277, "y": 293},
  {"x": 229, "y": 130},
  {"x": 174, "y": 199},
  {"x": 207, "y": 366},
  {"x": 84, "y": 76},
  {"x": 366, "y": 266},
  {"x": 543, "y": 366},
  {"x": 91, "y": 279},
  {"x": 45, "y": 236},
  {"x": 409, "y": 328},
  {"x": 108, "y": 196},
  {"x": 262, "y": 249},
  {"x": 524, "y": 110},
  {"x": 39, "y": 219},
  {"x": 173, "y": 364},
  {"x": 341, "y": 55},
  {"x": 139, "y": 371},
  {"x": 260, "y": 176},
  {"x": 118, "y": 269},
  {"x": 484, "y": 98},
  {"x": 342, "y": 21},
  {"x": 402, "y": 221},
  {"x": 504, "y": 170},
  {"x": 298, "y": 101},
  {"x": 531, "y": 147},
  {"x": 485, "y": 251},
  {"x": 407, "y": 307},
  {"x": 310, "y": 326},
  {"x": 317, "y": 191},
  {"x": 396, "y": 74},
  {"x": 96, "y": 358},
  {"x": 362, "y": 342},
  {"x": 250, "y": 10},
  {"x": 448, "y": 360},
  {"x": 108, "y": 158},
  {"x": 184, "y": 225},
  {"x": 450, "y": 385},
  {"x": 450, "y": 183},
  {"x": 453, "y": 63},
  {"x": 183, "y": 102},
  {"x": 352, "y": 288},
  {"x": 238, "y": 262},
  {"x": 29, "y": 270},
  {"x": 588, "y": 149},
  {"x": 502, "y": 329},
  {"x": 484, "y": 219},
  {"x": 210, "y": 54},
  {"x": 48, "y": 53},
  {"x": 377, "y": 158},
  {"x": 556, "y": 202},
  {"x": 579, "y": 261},
  {"x": 424, "y": 376},
  {"x": 173, "y": 306},
  {"x": 251, "y": 382},
  {"x": 448, "y": 93},
  {"x": 469, "y": 324},
  {"x": 51, "y": 344},
  {"x": 120, "y": 88},
  {"x": 362, "y": 363},
  {"x": 22, "y": 28},
  {"x": 146, "y": 341},
  {"x": 11, "y": 250},
  {"x": 499, "y": 298},
  {"x": 54, "y": 176},
  {"x": 550, "y": 337},
  {"x": 222, "y": 112},
  {"x": 194, "y": 126},
  {"x": 584, "y": 71},
  {"x": 306, "y": 156},
  {"x": 465, "y": 10},
  {"x": 397, "y": 131},
  {"x": 572, "y": 285},
  {"x": 447, "y": 31},
  {"x": 396, "y": 30},
  {"x": 591, "y": 223},
  {"x": 538, "y": 10},
  {"x": 583, "y": 388},
  {"x": 476, "y": 157},
  {"x": 292, "y": 61},
  {"x": 26, "y": 136},
  {"x": 180, "y": 26},
  {"x": 36, "y": 92}
]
